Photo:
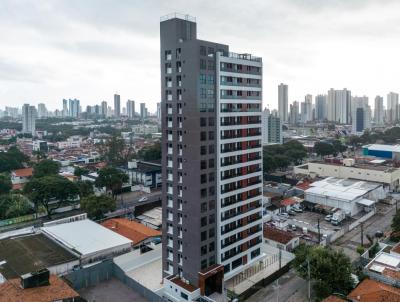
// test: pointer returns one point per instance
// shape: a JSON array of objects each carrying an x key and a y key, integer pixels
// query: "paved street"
[
  {"x": 291, "y": 289},
  {"x": 381, "y": 221}
]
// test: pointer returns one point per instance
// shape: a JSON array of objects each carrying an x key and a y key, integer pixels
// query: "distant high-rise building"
[
  {"x": 392, "y": 108},
  {"x": 283, "y": 102},
  {"x": 361, "y": 112},
  {"x": 306, "y": 109},
  {"x": 212, "y": 210},
  {"x": 143, "y": 111},
  {"x": 130, "y": 108},
  {"x": 117, "y": 105},
  {"x": 74, "y": 108},
  {"x": 65, "y": 111},
  {"x": 339, "y": 106},
  {"x": 29, "y": 119},
  {"x": 104, "y": 111},
  {"x": 11, "y": 112},
  {"x": 271, "y": 128},
  {"x": 294, "y": 113},
  {"x": 320, "y": 107},
  {"x": 42, "y": 111},
  {"x": 379, "y": 112}
]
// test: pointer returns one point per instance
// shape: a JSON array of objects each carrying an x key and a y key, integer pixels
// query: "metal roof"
[
  {"x": 381, "y": 147},
  {"x": 86, "y": 237}
]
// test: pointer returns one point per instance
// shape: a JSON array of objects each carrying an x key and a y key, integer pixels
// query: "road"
[
  {"x": 132, "y": 199},
  {"x": 292, "y": 288},
  {"x": 381, "y": 221}
]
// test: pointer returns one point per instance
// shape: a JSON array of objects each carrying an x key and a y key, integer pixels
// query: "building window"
[
  {"x": 203, "y": 122},
  {"x": 203, "y": 79},
  {"x": 203, "y": 193},
  {"x": 211, "y": 163},
  {"x": 211, "y": 177},
  {"x": 211, "y": 247},
  {"x": 255, "y": 253},
  {"x": 203, "y": 250},
  {"x": 203, "y": 178},
  {"x": 210, "y": 50},
  {"x": 211, "y": 135},
  {"x": 184, "y": 296},
  {"x": 203, "y": 135},
  {"x": 203, "y": 164},
  {"x": 203, "y": 51},
  {"x": 203, "y": 150},
  {"x": 203, "y": 221},
  {"x": 203, "y": 207},
  {"x": 211, "y": 149},
  {"x": 211, "y": 121},
  {"x": 211, "y": 261},
  {"x": 211, "y": 191},
  {"x": 203, "y": 235},
  {"x": 211, "y": 65},
  {"x": 211, "y": 233},
  {"x": 210, "y": 79},
  {"x": 211, "y": 219},
  {"x": 203, "y": 93},
  {"x": 211, "y": 205},
  {"x": 210, "y": 93},
  {"x": 203, "y": 64},
  {"x": 203, "y": 264}
]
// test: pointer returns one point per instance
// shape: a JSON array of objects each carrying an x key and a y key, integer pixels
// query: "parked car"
[
  {"x": 285, "y": 215},
  {"x": 291, "y": 212},
  {"x": 297, "y": 209},
  {"x": 293, "y": 227},
  {"x": 328, "y": 217},
  {"x": 144, "y": 198}
]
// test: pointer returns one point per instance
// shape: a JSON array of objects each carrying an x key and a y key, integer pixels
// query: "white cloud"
[{"x": 91, "y": 49}]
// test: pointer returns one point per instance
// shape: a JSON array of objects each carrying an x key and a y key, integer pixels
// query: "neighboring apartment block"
[{"x": 211, "y": 158}]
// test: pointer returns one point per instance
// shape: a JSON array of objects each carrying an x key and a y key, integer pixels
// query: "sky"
[{"x": 91, "y": 49}]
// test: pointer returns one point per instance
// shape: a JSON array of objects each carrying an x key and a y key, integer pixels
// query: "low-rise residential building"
[
  {"x": 21, "y": 176},
  {"x": 366, "y": 169},
  {"x": 372, "y": 291},
  {"x": 135, "y": 231},
  {"x": 383, "y": 151},
  {"x": 351, "y": 196},
  {"x": 280, "y": 239}
]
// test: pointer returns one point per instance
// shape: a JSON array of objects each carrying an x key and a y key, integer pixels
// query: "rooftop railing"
[{"x": 178, "y": 16}]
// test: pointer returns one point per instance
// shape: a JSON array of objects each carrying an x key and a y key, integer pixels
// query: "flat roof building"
[
  {"x": 349, "y": 195},
  {"x": 366, "y": 169},
  {"x": 91, "y": 241}
]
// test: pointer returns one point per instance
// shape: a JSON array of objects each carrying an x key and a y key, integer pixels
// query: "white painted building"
[{"x": 351, "y": 196}]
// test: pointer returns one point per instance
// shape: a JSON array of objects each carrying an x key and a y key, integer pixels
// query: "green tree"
[
  {"x": 46, "y": 167},
  {"x": 5, "y": 184},
  {"x": 338, "y": 146},
  {"x": 115, "y": 150},
  {"x": 323, "y": 149},
  {"x": 112, "y": 179},
  {"x": 329, "y": 269},
  {"x": 396, "y": 226},
  {"x": 14, "y": 205},
  {"x": 150, "y": 152},
  {"x": 85, "y": 188},
  {"x": 81, "y": 171},
  {"x": 12, "y": 159},
  {"x": 97, "y": 206},
  {"x": 51, "y": 192}
]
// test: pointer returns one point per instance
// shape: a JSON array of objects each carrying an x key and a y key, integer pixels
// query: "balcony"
[
  {"x": 238, "y": 161},
  {"x": 170, "y": 243},
  {"x": 233, "y": 175},
  {"x": 180, "y": 179},
  {"x": 170, "y": 257},
  {"x": 170, "y": 217},
  {"x": 241, "y": 110},
  {"x": 169, "y": 70},
  {"x": 169, "y": 110},
  {"x": 170, "y": 165},
  {"x": 169, "y": 84},
  {"x": 180, "y": 139},
  {"x": 238, "y": 198},
  {"x": 180, "y": 152},
  {"x": 180, "y": 194},
  {"x": 231, "y": 136},
  {"x": 170, "y": 190},
  {"x": 169, "y": 97},
  {"x": 179, "y": 110},
  {"x": 170, "y": 203},
  {"x": 239, "y": 148},
  {"x": 180, "y": 220},
  {"x": 238, "y": 187},
  {"x": 170, "y": 137},
  {"x": 170, "y": 230},
  {"x": 168, "y": 57},
  {"x": 169, "y": 124},
  {"x": 180, "y": 125}
]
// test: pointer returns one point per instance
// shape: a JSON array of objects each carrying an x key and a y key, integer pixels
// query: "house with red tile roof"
[
  {"x": 373, "y": 291},
  {"x": 135, "y": 231},
  {"x": 21, "y": 176},
  {"x": 280, "y": 238}
]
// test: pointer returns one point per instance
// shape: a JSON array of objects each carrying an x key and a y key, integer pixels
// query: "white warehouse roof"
[
  {"x": 380, "y": 147},
  {"x": 345, "y": 189},
  {"x": 86, "y": 237}
]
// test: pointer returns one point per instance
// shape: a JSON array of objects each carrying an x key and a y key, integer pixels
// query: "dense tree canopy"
[
  {"x": 46, "y": 167},
  {"x": 97, "y": 206},
  {"x": 14, "y": 205},
  {"x": 150, "y": 153},
  {"x": 112, "y": 179},
  {"x": 51, "y": 192},
  {"x": 12, "y": 159},
  {"x": 329, "y": 269},
  {"x": 80, "y": 171},
  {"x": 281, "y": 156},
  {"x": 85, "y": 188},
  {"x": 5, "y": 184}
]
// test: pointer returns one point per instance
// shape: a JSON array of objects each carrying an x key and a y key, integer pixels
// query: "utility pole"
[
  {"x": 319, "y": 233},
  {"x": 362, "y": 233},
  {"x": 309, "y": 279},
  {"x": 280, "y": 258},
  {"x": 277, "y": 290}
]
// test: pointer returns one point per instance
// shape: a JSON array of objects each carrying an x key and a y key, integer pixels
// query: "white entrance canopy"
[{"x": 366, "y": 202}]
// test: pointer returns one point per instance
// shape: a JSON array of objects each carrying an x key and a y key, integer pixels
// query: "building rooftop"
[
  {"x": 277, "y": 235},
  {"x": 178, "y": 16},
  {"x": 25, "y": 172},
  {"x": 381, "y": 147},
  {"x": 24, "y": 254},
  {"x": 178, "y": 281},
  {"x": 85, "y": 236},
  {"x": 345, "y": 189},
  {"x": 373, "y": 291},
  {"x": 135, "y": 231},
  {"x": 333, "y": 299},
  {"x": 147, "y": 167},
  {"x": 58, "y": 290}
]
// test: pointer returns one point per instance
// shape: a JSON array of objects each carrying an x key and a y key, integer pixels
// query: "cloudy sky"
[{"x": 91, "y": 49}]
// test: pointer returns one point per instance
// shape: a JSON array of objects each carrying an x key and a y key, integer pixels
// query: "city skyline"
[{"x": 71, "y": 59}]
